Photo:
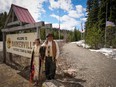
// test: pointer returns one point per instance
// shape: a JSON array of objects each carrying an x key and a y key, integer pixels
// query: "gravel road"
[{"x": 92, "y": 69}]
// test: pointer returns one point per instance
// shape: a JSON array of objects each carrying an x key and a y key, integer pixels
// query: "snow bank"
[
  {"x": 81, "y": 43},
  {"x": 107, "y": 52}
]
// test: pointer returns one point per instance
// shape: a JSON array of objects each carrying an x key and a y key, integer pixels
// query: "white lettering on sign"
[{"x": 20, "y": 44}]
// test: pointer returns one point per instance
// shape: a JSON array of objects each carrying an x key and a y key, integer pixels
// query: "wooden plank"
[
  {"x": 4, "y": 47},
  {"x": 25, "y": 27},
  {"x": 48, "y": 25},
  {"x": 13, "y": 23}
]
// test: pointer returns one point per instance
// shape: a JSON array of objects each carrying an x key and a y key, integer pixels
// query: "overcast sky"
[{"x": 71, "y": 12}]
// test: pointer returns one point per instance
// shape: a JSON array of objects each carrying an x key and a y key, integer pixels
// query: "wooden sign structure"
[
  {"x": 18, "y": 21},
  {"x": 21, "y": 44}
]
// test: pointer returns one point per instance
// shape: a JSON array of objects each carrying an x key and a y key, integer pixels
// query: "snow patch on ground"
[
  {"x": 105, "y": 51},
  {"x": 81, "y": 43},
  {"x": 108, "y": 52}
]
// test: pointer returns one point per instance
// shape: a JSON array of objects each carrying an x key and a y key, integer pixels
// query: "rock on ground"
[{"x": 52, "y": 83}]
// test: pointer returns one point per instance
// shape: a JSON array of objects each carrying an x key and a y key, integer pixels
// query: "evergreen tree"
[
  {"x": 104, "y": 10},
  {"x": 102, "y": 15},
  {"x": 3, "y": 17},
  {"x": 112, "y": 11},
  {"x": 78, "y": 35},
  {"x": 93, "y": 33},
  {"x": 94, "y": 37},
  {"x": 42, "y": 34},
  {"x": 89, "y": 7},
  {"x": 94, "y": 12},
  {"x": 75, "y": 34}
]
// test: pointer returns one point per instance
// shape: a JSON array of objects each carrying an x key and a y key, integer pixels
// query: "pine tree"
[
  {"x": 93, "y": 33},
  {"x": 94, "y": 12},
  {"x": 94, "y": 37},
  {"x": 102, "y": 14},
  {"x": 104, "y": 10},
  {"x": 75, "y": 34},
  {"x": 88, "y": 22},
  {"x": 89, "y": 7},
  {"x": 112, "y": 11},
  {"x": 3, "y": 17}
]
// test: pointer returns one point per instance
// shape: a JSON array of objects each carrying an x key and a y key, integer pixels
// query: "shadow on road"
[
  {"x": 25, "y": 72},
  {"x": 70, "y": 81}
]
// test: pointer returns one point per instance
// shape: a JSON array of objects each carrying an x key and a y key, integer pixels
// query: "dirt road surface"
[{"x": 92, "y": 69}]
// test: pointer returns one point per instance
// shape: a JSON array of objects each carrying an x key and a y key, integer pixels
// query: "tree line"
[
  {"x": 98, "y": 12},
  {"x": 67, "y": 35}
]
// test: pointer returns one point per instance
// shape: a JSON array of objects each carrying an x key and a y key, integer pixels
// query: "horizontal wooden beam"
[
  {"x": 25, "y": 27},
  {"x": 13, "y": 23},
  {"x": 47, "y": 26}
]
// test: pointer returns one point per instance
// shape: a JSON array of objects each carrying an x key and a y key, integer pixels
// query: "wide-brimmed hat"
[{"x": 49, "y": 35}]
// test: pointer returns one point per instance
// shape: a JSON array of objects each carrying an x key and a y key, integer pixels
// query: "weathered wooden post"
[
  {"x": 38, "y": 31},
  {"x": 4, "y": 47},
  {"x": 11, "y": 60}
]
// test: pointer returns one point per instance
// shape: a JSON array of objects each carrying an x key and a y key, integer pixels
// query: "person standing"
[
  {"x": 51, "y": 54},
  {"x": 35, "y": 62}
]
